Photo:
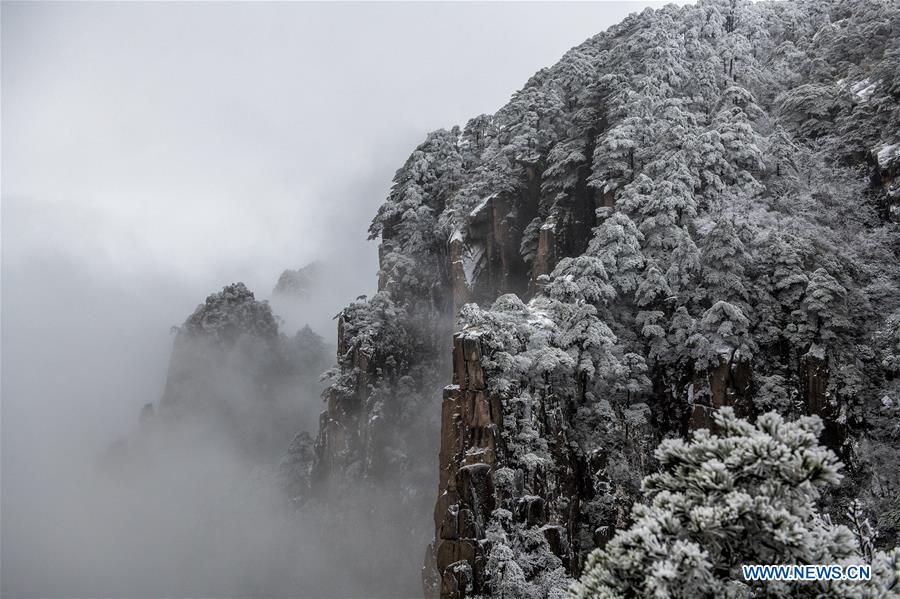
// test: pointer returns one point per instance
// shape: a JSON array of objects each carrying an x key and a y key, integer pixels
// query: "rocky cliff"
[{"x": 694, "y": 209}]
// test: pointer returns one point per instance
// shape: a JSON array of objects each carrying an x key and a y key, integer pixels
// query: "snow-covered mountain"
[{"x": 695, "y": 209}]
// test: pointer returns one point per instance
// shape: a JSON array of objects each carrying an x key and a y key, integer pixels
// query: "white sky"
[
  {"x": 224, "y": 139},
  {"x": 152, "y": 152}
]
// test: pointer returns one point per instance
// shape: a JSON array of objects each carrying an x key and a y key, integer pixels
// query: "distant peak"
[{"x": 298, "y": 283}]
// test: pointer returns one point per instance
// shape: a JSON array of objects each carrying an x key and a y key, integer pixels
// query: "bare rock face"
[
  {"x": 461, "y": 261},
  {"x": 347, "y": 425},
  {"x": 470, "y": 423},
  {"x": 727, "y": 384},
  {"x": 546, "y": 252},
  {"x": 818, "y": 402},
  {"x": 487, "y": 252}
]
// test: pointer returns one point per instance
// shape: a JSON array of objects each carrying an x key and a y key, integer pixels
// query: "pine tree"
[
  {"x": 746, "y": 495},
  {"x": 617, "y": 243},
  {"x": 683, "y": 274},
  {"x": 582, "y": 278},
  {"x": 821, "y": 318},
  {"x": 651, "y": 297},
  {"x": 724, "y": 259},
  {"x": 723, "y": 336}
]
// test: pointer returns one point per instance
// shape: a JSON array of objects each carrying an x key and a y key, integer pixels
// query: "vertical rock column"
[
  {"x": 727, "y": 384},
  {"x": 545, "y": 260},
  {"x": 342, "y": 430},
  {"x": 815, "y": 373},
  {"x": 470, "y": 420},
  {"x": 459, "y": 283}
]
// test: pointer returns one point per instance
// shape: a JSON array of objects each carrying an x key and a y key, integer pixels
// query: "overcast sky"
[
  {"x": 223, "y": 140},
  {"x": 153, "y": 152}
]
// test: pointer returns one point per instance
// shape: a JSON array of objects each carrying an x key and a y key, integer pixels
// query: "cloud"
[{"x": 153, "y": 152}]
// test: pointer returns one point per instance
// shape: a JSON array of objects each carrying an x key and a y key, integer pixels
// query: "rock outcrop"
[{"x": 472, "y": 456}]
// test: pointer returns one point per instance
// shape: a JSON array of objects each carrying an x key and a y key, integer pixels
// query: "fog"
[{"x": 152, "y": 153}]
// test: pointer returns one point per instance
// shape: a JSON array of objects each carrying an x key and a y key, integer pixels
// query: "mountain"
[
  {"x": 697, "y": 208},
  {"x": 308, "y": 296},
  {"x": 234, "y": 381},
  {"x": 298, "y": 284}
]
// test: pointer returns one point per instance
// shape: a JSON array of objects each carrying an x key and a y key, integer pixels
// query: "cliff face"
[
  {"x": 534, "y": 471},
  {"x": 691, "y": 210},
  {"x": 481, "y": 471}
]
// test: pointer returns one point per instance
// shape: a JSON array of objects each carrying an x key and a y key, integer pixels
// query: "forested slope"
[{"x": 695, "y": 209}]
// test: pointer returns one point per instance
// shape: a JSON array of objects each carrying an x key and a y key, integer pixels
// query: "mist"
[{"x": 153, "y": 153}]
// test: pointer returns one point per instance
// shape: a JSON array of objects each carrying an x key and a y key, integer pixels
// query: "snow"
[
  {"x": 533, "y": 462},
  {"x": 863, "y": 89},
  {"x": 539, "y": 317},
  {"x": 549, "y": 224},
  {"x": 471, "y": 260},
  {"x": 703, "y": 485},
  {"x": 482, "y": 205},
  {"x": 888, "y": 154},
  {"x": 816, "y": 351}
]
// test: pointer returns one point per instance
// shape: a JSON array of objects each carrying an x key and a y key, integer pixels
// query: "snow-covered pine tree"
[
  {"x": 724, "y": 258},
  {"x": 747, "y": 495},
  {"x": 618, "y": 244}
]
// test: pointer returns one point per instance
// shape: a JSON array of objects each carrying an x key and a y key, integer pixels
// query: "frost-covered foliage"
[
  {"x": 722, "y": 140},
  {"x": 746, "y": 495},
  {"x": 384, "y": 375},
  {"x": 570, "y": 400},
  {"x": 228, "y": 315},
  {"x": 521, "y": 562},
  {"x": 704, "y": 175},
  {"x": 548, "y": 345}
]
